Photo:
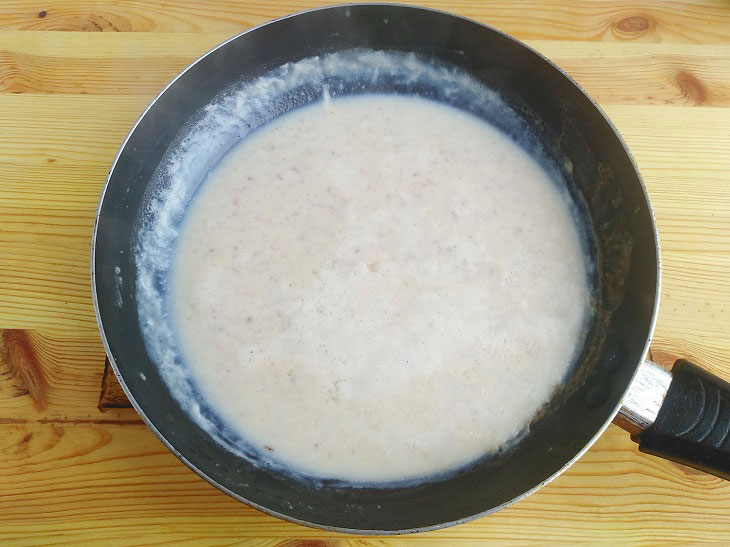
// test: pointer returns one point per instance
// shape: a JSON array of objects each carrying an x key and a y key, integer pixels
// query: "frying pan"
[{"x": 683, "y": 415}]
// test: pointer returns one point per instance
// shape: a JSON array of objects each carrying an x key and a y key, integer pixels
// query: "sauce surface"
[{"x": 378, "y": 288}]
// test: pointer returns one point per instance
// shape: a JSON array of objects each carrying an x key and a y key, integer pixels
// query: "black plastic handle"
[{"x": 693, "y": 425}]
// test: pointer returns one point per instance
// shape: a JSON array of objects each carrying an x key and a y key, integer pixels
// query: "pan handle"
[{"x": 683, "y": 416}]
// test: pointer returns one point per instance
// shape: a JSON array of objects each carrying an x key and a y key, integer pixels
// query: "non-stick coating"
[{"x": 570, "y": 126}]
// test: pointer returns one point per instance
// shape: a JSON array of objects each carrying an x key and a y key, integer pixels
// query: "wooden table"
[{"x": 68, "y": 472}]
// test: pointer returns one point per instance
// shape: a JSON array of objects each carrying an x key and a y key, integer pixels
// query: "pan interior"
[{"x": 239, "y": 111}]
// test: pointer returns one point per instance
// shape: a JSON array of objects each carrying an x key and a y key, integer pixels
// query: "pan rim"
[{"x": 373, "y": 532}]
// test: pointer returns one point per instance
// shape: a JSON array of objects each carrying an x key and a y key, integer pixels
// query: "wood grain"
[
  {"x": 18, "y": 355},
  {"x": 48, "y": 378},
  {"x": 72, "y": 474}
]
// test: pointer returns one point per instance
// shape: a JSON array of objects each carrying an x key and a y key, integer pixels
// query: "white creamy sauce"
[{"x": 377, "y": 288}]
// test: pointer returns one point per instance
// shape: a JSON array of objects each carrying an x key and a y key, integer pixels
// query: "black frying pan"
[{"x": 691, "y": 426}]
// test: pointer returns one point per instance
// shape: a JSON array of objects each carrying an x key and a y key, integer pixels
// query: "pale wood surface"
[{"x": 69, "y": 473}]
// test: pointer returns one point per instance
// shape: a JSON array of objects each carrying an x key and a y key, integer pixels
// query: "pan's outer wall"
[{"x": 570, "y": 126}]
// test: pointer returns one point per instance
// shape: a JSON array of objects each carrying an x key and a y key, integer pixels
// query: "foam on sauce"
[{"x": 377, "y": 288}]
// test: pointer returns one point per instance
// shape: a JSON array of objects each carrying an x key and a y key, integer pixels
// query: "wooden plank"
[
  {"x": 97, "y": 63},
  {"x": 704, "y": 21},
  {"x": 45, "y": 276},
  {"x": 65, "y": 129},
  {"x": 668, "y": 138},
  {"x": 71, "y": 366},
  {"x": 61, "y": 186},
  {"x": 103, "y": 482},
  {"x": 47, "y": 208},
  {"x": 103, "y": 63},
  {"x": 631, "y": 73},
  {"x": 36, "y": 127}
]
